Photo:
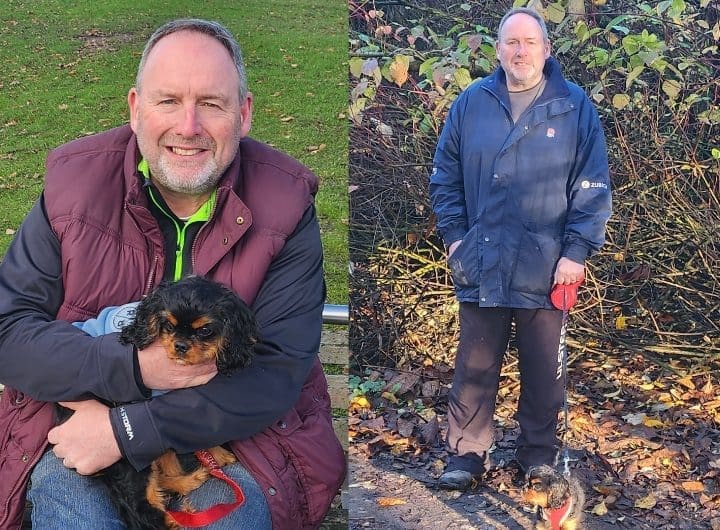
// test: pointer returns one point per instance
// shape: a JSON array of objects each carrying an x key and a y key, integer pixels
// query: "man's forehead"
[
  {"x": 184, "y": 40},
  {"x": 521, "y": 24}
]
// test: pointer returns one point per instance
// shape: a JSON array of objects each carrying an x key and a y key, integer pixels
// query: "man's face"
[
  {"x": 187, "y": 112},
  {"x": 522, "y": 52}
]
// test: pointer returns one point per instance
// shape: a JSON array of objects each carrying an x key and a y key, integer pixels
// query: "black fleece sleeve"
[
  {"x": 288, "y": 309},
  {"x": 48, "y": 359}
]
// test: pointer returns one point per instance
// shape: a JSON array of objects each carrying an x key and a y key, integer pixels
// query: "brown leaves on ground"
[{"x": 647, "y": 438}]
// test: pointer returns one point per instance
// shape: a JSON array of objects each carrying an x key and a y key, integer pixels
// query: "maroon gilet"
[{"x": 298, "y": 462}]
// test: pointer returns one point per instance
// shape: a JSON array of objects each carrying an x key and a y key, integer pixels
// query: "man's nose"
[{"x": 190, "y": 125}]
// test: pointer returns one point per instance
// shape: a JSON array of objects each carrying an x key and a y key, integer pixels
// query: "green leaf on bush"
[
  {"x": 356, "y": 66},
  {"x": 462, "y": 77},
  {"x": 715, "y": 152},
  {"x": 399, "y": 69},
  {"x": 555, "y": 12},
  {"x": 634, "y": 73},
  {"x": 620, "y": 101},
  {"x": 671, "y": 88}
]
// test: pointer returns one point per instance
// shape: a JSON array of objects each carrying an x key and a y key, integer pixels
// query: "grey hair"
[
  {"x": 213, "y": 29},
  {"x": 527, "y": 11}
]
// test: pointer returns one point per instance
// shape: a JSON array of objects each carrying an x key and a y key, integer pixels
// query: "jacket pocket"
[
  {"x": 24, "y": 424},
  {"x": 465, "y": 261},
  {"x": 535, "y": 264},
  {"x": 317, "y": 458}
]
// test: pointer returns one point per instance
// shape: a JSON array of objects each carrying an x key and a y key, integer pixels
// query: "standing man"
[
  {"x": 180, "y": 190},
  {"x": 521, "y": 191}
]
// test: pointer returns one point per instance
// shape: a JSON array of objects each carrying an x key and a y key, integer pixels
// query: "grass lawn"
[{"x": 67, "y": 67}]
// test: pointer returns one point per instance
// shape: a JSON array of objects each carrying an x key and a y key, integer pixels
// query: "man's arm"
[
  {"x": 52, "y": 360},
  {"x": 288, "y": 310},
  {"x": 447, "y": 187},
  {"x": 589, "y": 192}
]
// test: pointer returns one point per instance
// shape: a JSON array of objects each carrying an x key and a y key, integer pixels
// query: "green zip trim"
[{"x": 201, "y": 216}]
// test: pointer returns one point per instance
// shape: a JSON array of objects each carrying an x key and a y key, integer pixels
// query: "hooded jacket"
[
  {"x": 92, "y": 242},
  {"x": 519, "y": 195}
]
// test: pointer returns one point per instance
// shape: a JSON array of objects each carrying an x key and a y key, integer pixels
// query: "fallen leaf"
[
  {"x": 693, "y": 486},
  {"x": 634, "y": 418},
  {"x": 652, "y": 422},
  {"x": 646, "y": 503},
  {"x": 359, "y": 402},
  {"x": 316, "y": 148},
  {"x": 600, "y": 509},
  {"x": 687, "y": 382},
  {"x": 9, "y": 231},
  {"x": 390, "y": 397},
  {"x": 286, "y": 119},
  {"x": 405, "y": 427},
  {"x": 385, "y": 502}
]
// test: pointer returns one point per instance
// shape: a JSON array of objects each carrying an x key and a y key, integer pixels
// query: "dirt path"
[{"x": 490, "y": 506}]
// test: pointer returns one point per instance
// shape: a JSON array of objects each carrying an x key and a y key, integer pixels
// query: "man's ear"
[
  {"x": 246, "y": 110},
  {"x": 548, "y": 49},
  {"x": 133, "y": 103}
]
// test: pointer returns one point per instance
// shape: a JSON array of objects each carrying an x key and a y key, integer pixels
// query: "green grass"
[{"x": 67, "y": 67}]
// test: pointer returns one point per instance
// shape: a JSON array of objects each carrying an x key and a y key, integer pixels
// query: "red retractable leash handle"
[
  {"x": 212, "y": 514},
  {"x": 563, "y": 297}
]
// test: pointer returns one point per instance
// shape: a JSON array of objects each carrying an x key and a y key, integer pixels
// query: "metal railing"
[{"x": 336, "y": 314}]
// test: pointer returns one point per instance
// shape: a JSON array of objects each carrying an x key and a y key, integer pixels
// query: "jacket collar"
[{"x": 556, "y": 86}]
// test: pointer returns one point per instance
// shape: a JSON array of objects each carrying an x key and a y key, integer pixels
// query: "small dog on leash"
[
  {"x": 197, "y": 320},
  {"x": 558, "y": 499}
]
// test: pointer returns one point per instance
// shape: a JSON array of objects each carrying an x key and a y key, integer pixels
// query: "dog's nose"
[{"x": 181, "y": 347}]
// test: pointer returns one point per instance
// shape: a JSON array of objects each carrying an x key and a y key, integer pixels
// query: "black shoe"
[
  {"x": 463, "y": 472},
  {"x": 457, "y": 480}
]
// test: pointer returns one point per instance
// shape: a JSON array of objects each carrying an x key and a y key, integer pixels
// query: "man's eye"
[
  {"x": 210, "y": 105},
  {"x": 167, "y": 102}
]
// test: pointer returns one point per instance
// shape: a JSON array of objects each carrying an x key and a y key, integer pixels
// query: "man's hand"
[
  {"x": 568, "y": 271},
  {"x": 453, "y": 246},
  {"x": 85, "y": 441},
  {"x": 159, "y": 372}
]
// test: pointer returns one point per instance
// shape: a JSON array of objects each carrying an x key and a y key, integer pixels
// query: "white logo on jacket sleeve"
[
  {"x": 551, "y": 132},
  {"x": 126, "y": 423},
  {"x": 586, "y": 184}
]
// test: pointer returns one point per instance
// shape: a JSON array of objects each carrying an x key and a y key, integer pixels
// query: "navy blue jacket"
[{"x": 519, "y": 195}]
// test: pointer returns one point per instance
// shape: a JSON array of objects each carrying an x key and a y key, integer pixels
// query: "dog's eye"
[
  {"x": 204, "y": 333},
  {"x": 167, "y": 327}
]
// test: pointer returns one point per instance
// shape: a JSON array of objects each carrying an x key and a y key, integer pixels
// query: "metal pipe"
[{"x": 336, "y": 314}]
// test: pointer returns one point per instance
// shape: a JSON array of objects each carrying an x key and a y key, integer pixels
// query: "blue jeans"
[{"x": 64, "y": 500}]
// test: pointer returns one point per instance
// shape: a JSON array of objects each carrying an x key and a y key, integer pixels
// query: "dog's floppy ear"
[
  {"x": 239, "y": 336},
  {"x": 558, "y": 492},
  {"x": 145, "y": 327}
]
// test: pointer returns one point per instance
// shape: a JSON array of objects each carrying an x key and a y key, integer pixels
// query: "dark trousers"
[{"x": 484, "y": 337}]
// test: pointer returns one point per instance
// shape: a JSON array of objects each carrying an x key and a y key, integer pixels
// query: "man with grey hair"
[
  {"x": 181, "y": 190},
  {"x": 521, "y": 191}
]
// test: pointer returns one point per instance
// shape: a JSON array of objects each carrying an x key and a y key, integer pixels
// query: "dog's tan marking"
[
  {"x": 171, "y": 318},
  {"x": 200, "y": 322}
]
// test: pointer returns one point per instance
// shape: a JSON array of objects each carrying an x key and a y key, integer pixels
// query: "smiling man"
[
  {"x": 521, "y": 191},
  {"x": 180, "y": 190}
]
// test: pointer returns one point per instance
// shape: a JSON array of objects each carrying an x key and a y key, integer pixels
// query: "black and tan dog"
[
  {"x": 197, "y": 320},
  {"x": 558, "y": 499}
]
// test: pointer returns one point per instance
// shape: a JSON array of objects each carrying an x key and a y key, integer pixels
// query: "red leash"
[
  {"x": 214, "y": 513},
  {"x": 556, "y": 516}
]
